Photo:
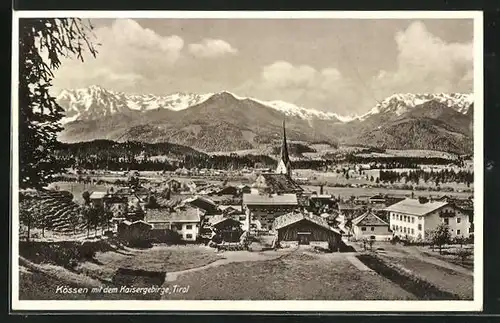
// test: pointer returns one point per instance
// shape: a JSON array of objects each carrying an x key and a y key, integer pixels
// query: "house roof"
[
  {"x": 98, "y": 195},
  {"x": 258, "y": 199},
  {"x": 199, "y": 198},
  {"x": 281, "y": 183},
  {"x": 294, "y": 217},
  {"x": 369, "y": 219},
  {"x": 230, "y": 207},
  {"x": 414, "y": 207},
  {"x": 171, "y": 180},
  {"x": 138, "y": 222},
  {"x": 219, "y": 219},
  {"x": 180, "y": 215},
  {"x": 321, "y": 196}
]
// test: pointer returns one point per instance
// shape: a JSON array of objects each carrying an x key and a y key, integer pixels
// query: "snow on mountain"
[
  {"x": 290, "y": 109},
  {"x": 401, "y": 103},
  {"x": 95, "y": 102}
]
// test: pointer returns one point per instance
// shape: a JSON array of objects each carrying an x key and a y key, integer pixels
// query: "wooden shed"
[
  {"x": 306, "y": 229},
  {"x": 226, "y": 228}
]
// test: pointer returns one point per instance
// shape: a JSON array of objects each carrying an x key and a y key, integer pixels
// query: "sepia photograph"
[{"x": 247, "y": 161}]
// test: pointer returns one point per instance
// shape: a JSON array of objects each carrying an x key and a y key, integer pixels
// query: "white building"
[
  {"x": 186, "y": 221},
  {"x": 413, "y": 218}
]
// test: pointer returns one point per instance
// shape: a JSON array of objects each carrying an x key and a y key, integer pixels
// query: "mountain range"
[{"x": 224, "y": 121}]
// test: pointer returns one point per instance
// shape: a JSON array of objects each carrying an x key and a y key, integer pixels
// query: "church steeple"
[{"x": 284, "y": 164}]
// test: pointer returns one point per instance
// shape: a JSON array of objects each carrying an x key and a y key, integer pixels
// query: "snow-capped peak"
[{"x": 401, "y": 102}]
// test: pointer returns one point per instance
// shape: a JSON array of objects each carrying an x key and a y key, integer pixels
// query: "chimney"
[{"x": 321, "y": 189}]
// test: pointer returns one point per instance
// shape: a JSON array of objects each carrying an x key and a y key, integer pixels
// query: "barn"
[
  {"x": 306, "y": 229},
  {"x": 227, "y": 229}
]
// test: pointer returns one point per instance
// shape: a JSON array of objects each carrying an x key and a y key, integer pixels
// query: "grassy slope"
[{"x": 297, "y": 276}]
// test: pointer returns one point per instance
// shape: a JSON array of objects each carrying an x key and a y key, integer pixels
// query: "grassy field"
[
  {"x": 449, "y": 278},
  {"x": 366, "y": 192},
  {"x": 40, "y": 276},
  {"x": 296, "y": 276}
]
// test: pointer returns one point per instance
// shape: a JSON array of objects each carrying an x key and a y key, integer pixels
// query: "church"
[
  {"x": 281, "y": 181},
  {"x": 272, "y": 195}
]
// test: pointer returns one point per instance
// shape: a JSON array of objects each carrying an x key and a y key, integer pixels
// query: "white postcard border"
[{"x": 262, "y": 306}]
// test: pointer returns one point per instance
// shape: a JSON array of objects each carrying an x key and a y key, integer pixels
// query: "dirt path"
[
  {"x": 438, "y": 262},
  {"x": 233, "y": 256}
]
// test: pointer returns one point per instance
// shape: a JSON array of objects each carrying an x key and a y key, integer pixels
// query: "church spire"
[{"x": 284, "y": 164}]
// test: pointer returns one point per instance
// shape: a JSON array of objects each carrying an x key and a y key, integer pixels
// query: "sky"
[{"x": 336, "y": 65}]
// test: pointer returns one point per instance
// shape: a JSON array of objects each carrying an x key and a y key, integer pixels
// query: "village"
[{"x": 271, "y": 217}]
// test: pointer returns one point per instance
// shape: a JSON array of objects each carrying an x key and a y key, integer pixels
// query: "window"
[
  {"x": 189, "y": 227},
  {"x": 363, "y": 228},
  {"x": 412, "y": 219},
  {"x": 404, "y": 218},
  {"x": 446, "y": 221},
  {"x": 458, "y": 232},
  {"x": 459, "y": 220},
  {"x": 400, "y": 217},
  {"x": 189, "y": 236},
  {"x": 404, "y": 229},
  {"x": 372, "y": 229},
  {"x": 419, "y": 227},
  {"x": 412, "y": 231}
]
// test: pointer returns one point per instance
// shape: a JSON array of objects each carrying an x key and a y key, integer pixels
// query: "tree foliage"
[
  {"x": 441, "y": 236},
  {"x": 42, "y": 45}
]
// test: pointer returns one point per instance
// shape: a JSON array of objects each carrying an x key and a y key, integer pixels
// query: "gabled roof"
[
  {"x": 180, "y": 215},
  {"x": 281, "y": 183},
  {"x": 414, "y": 207},
  {"x": 369, "y": 219},
  {"x": 294, "y": 217},
  {"x": 264, "y": 199},
  {"x": 219, "y": 219}
]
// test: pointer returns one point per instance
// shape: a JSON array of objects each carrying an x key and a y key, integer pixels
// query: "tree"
[
  {"x": 86, "y": 197},
  {"x": 441, "y": 236},
  {"x": 42, "y": 44}
]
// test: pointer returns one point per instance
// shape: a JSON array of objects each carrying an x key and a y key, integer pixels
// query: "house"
[
  {"x": 305, "y": 228},
  {"x": 202, "y": 203},
  {"x": 370, "y": 226},
  {"x": 185, "y": 221},
  {"x": 276, "y": 184},
  {"x": 414, "y": 218},
  {"x": 266, "y": 207},
  {"x": 226, "y": 229},
  {"x": 134, "y": 233}
]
